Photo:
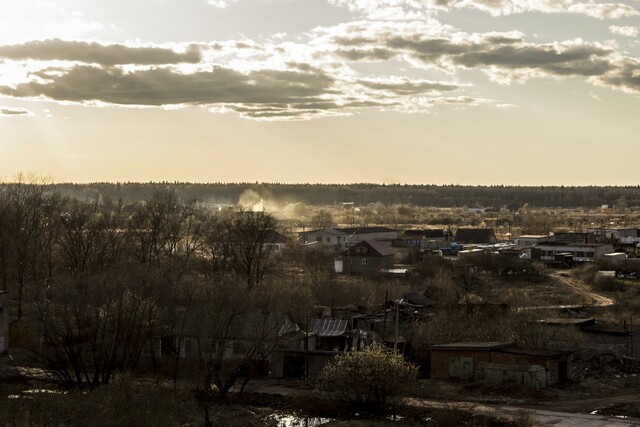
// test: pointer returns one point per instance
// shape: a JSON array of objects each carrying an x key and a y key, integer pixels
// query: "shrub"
[
  {"x": 372, "y": 379},
  {"x": 607, "y": 284}
]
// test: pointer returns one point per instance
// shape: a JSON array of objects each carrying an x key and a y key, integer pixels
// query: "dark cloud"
[
  {"x": 375, "y": 54},
  {"x": 578, "y": 60},
  {"x": 9, "y": 111},
  {"x": 407, "y": 87},
  {"x": 625, "y": 76},
  {"x": 284, "y": 90},
  {"x": 505, "y": 52},
  {"x": 96, "y": 53}
]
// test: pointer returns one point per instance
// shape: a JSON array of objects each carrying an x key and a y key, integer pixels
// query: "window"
[
  {"x": 328, "y": 239},
  {"x": 319, "y": 239},
  {"x": 365, "y": 261}
]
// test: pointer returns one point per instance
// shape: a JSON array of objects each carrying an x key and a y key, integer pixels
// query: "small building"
[
  {"x": 533, "y": 240},
  {"x": 475, "y": 235},
  {"x": 616, "y": 340},
  {"x": 534, "y": 376},
  {"x": 4, "y": 321},
  {"x": 308, "y": 352},
  {"x": 366, "y": 257},
  {"x": 580, "y": 252},
  {"x": 474, "y": 360},
  {"x": 274, "y": 240},
  {"x": 566, "y": 238}
]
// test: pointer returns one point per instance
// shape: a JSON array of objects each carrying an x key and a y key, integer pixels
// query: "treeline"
[
  {"x": 95, "y": 288},
  {"x": 362, "y": 194}
]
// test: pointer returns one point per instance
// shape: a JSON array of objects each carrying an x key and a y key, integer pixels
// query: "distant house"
[
  {"x": 338, "y": 239},
  {"x": 500, "y": 362},
  {"x": 408, "y": 248},
  {"x": 429, "y": 234},
  {"x": 475, "y": 235},
  {"x": 274, "y": 240},
  {"x": 365, "y": 257},
  {"x": 328, "y": 238},
  {"x": 4, "y": 321}
]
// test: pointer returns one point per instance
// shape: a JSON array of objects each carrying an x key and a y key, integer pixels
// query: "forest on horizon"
[{"x": 498, "y": 196}]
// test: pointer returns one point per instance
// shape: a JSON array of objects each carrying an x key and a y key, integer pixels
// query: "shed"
[{"x": 534, "y": 376}]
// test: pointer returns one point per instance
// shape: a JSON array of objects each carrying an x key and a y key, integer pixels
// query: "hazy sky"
[{"x": 528, "y": 92}]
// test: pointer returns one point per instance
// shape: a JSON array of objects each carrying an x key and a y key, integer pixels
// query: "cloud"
[
  {"x": 96, "y": 53},
  {"x": 626, "y": 76},
  {"x": 604, "y": 10},
  {"x": 624, "y": 31},
  {"x": 220, "y": 4},
  {"x": 14, "y": 111},
  {"x": 415, "y": 9},
  {"x": 281, "y": 91},
  {"x": 490, "y": 51},
  {"x": 403, "y": 86}
]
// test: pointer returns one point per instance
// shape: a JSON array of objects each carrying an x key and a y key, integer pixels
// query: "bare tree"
[
  {"x": 233, "y": 330},
  {"x": 28, "y": 215},
  {"x": 242, "y": 240},
  {"x": 321, "y": 219},
  {"x": 94, "y": 326}
]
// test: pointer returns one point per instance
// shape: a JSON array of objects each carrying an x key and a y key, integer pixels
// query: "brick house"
[
  {"x": 470, "y": 360},
  {"x": 365, "y": 257}
]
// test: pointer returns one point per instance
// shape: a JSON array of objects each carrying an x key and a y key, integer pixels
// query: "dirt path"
[
  {"x": 589, "y": 405},
  {"x": 596, "y": 299}
]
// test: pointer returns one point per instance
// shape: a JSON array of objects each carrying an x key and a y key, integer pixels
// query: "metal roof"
[{"x": 329, "y": 327}]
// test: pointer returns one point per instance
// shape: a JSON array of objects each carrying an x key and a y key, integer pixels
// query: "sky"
[{"x": 475, "y": 92}]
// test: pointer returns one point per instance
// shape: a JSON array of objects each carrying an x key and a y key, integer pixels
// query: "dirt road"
[{"x": 596, "y": 299}]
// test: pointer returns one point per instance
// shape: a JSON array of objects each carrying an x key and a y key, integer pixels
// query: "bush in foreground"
[{"x": 373, "y": 379}]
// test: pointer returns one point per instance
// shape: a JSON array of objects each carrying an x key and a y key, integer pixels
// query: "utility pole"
[{"x": 398, "y": 302}]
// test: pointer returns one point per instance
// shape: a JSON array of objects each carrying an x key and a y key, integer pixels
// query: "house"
[
  {"x": 329, "y": 238},
  {"x": 248, "y": 336},
  {"x": 4, "y": 321},
  {"x": 475, "y": 235},
  {"x": 338, "y": 239},
  {"x": 501, "y": 362},
  {"x": 366, "y": 257}
]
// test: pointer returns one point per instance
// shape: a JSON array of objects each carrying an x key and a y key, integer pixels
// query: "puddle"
[{"x": 296, "y": 421}]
